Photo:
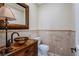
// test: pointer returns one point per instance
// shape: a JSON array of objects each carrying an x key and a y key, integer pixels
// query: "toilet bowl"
[{"x": 42, "y": 48}]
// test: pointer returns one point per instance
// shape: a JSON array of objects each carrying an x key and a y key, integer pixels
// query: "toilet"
[{"x": 42, "y": 48}]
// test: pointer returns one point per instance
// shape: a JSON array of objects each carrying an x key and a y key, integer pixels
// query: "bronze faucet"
[
  {"x": 12, "y": 36},
  {"x": 11, "y": 40},
  {"x": 9, "y": 43}
]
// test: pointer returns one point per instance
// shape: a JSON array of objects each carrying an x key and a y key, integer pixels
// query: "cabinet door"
[
  {"x": 31, "y": 51},
  {"x": 28, "y": 51}
]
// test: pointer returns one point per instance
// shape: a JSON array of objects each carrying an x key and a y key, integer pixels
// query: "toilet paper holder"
[{"x": 73, "y": 50}]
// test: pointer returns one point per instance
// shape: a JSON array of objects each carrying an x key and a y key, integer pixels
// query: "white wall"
[
  {"x": 56, "y": 16},
  {"x": 76, "y": 9},
  {"x": 33, "y": 16},
  {"x": 77, "y": 21}
]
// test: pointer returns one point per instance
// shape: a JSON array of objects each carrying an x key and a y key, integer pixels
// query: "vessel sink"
[{"x": 20, "y": 40}]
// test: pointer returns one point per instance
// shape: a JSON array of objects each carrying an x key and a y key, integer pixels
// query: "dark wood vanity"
[{"x": 30, "y": 48}]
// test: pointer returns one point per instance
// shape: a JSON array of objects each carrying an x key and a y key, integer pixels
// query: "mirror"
[{"x": 21, "y": 13}]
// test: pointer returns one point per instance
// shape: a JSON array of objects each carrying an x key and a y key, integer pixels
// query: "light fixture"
[{"x": 6, "y": 15}]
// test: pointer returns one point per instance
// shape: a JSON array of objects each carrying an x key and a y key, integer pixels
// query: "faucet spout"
[{"x": 12, "y": 36}]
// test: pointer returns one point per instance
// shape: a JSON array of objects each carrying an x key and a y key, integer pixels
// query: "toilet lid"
[{"x": 43, "y": 47}]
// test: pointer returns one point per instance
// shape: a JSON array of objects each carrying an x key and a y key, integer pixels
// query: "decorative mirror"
[{"x": 21, "y": 13}]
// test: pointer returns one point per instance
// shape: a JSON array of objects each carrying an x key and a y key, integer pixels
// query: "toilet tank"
[{"x": 39, "y": 40}]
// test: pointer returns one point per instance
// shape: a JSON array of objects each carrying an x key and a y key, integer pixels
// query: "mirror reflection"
[{"x": 19, "y": 13}]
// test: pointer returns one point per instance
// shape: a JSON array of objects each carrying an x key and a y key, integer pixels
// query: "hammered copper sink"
[{"x": 20, "y": 40}]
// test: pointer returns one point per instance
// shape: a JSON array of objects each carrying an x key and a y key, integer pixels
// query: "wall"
[
  {"x": 56, "y": 16},
  {"x": 60, "y": 42},
  {"x": 56, "y": 27},
  {"x": 33, "y": 17},
  {"x": 76, "y": 11}
]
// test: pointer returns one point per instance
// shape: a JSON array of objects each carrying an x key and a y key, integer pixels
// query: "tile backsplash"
[{"x": 27, "y": 33}]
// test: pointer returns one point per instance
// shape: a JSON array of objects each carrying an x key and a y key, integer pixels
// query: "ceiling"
[{"x": 39, "y": 4}]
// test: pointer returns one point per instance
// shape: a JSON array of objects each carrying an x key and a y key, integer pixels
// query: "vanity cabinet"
[{"x": 30, "y": 49}]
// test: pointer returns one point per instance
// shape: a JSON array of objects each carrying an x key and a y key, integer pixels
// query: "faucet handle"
[{"x": 8, "y": 42}]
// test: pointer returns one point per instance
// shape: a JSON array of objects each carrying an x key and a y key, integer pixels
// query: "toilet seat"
[{"x": 43, "y": 47}]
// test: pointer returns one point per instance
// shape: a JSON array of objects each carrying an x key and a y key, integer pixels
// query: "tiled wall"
[
  {"x": 59, "y": 41},
  {"x": 26, "y": 33}
]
